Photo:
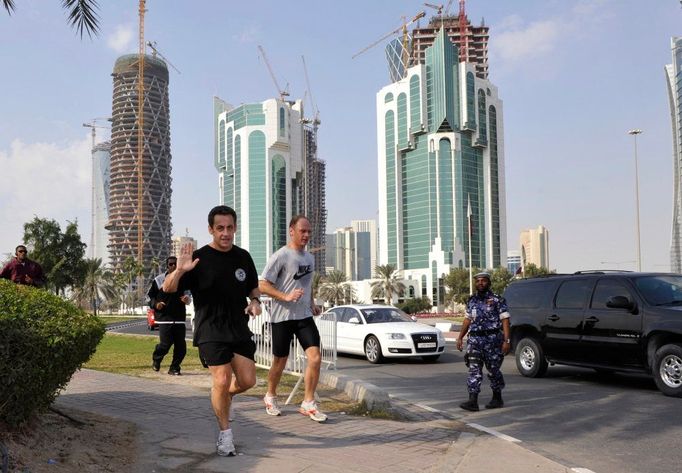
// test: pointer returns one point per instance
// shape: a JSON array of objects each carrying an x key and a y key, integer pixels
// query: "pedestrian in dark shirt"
[
  {"x": 221, "y": 277},
  {"x": 22, "y": 270},
  {"x": 169, "y": 315}
]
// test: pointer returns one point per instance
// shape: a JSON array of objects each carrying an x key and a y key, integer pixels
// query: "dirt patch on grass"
[{"x": 82, "y": 442}]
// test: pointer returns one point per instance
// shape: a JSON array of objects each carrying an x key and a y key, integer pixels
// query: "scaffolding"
[
  {"x": 315, "y": 206},
  {"x": 155, "y": 205}
]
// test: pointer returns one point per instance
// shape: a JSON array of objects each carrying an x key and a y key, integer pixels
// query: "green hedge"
[{"x": 43, "y": 341}]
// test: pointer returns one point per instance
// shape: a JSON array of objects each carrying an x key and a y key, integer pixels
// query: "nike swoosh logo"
[{"x": 298, "y": 276}]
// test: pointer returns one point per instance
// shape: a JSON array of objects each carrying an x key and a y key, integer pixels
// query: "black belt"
[{"x": 482, "y": 333}]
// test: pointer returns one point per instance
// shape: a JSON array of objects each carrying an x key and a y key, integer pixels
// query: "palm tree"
[
  {"x": 387, "y": 284},
  {"x": 333, "y": 288},
  {"x": 82, "y": 14},
  {"x": 99, "y": 283}
]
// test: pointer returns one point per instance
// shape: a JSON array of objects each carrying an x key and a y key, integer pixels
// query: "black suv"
[{"x": 609, "y": 321}]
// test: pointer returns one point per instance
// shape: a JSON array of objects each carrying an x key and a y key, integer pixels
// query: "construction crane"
[
  {"x": 155, "y": 52},
  {"x": 463, "y": 37},
  {"x": 282, "y": 92},
  {"x": 402, "y": 28},
  {"x": 93, "y": 126},
  {"x": 315, "y": 121},
  {"x": 316, "y": 113},
  {"x": 140, "y": 133}
]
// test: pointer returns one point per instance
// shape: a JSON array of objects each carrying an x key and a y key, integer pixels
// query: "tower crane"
[
  {"x": 155, "y": 52},
  {"x": 282, "y": 92},
  {"x": 316, "y": 113},
  {"x": 140, "y": 131},
  {"x": 93, "y": 126},
  {"x": 402, "y": 28}
]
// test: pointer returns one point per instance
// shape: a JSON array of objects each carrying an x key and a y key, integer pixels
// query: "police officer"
[
  {"x": 170, "y": 316},
  {"x": 487, "y": 323}
]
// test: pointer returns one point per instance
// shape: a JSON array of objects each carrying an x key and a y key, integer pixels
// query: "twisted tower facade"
[{"x": 156, "y": 165}]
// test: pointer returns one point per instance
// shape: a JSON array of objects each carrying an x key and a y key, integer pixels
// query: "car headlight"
[
  {"x": 441, "y": 336},
  {"x": 396, "y": 336}
]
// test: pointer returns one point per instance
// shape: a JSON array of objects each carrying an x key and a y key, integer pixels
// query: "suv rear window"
[
  {"x": 526, "y": 296},
  {"x": 573, "y": 294}
]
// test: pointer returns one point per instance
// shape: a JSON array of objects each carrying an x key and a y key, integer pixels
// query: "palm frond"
[
  {"x": 82, "y": 15},
  {"x": 9, "y": 6}
]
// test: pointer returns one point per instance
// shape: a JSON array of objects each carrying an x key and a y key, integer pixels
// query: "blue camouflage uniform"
[{"x": 484, "y": 347}]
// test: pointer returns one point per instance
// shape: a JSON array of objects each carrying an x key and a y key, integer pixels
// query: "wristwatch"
[{"x": 507, "y": 340}]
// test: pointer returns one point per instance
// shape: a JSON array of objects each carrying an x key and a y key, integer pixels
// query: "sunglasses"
[
  {"x": 21, "y": 251},
  {"x": 172, "y": 264}
]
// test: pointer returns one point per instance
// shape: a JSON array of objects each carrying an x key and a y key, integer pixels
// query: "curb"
[{"x": 357, "y": 390}]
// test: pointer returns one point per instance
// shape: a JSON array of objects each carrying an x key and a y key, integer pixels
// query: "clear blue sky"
[{"x": 574, "y": 77}]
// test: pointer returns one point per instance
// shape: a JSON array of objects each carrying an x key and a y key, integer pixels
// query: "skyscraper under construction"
[{"x": 156, "y": 165}]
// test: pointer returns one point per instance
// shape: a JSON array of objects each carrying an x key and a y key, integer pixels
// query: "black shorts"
[
  {"x": 221, "y": 353},
  {"x": 283, "y": 332}
]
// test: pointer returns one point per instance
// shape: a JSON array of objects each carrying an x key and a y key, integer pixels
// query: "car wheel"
[
  {"x": 530, "y": 359},
  {"x": 373, "y": 350},
  {"x": 667, "y": 370},
  {"x": 430, "y": 358}
]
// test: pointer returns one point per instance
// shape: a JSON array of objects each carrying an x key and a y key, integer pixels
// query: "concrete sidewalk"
[{"x": 177, "y": 433}]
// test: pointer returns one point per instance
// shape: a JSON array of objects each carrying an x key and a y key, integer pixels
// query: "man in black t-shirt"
[{"x": 221, "y": 276}]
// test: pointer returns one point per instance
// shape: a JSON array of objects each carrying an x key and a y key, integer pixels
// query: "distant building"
[
  {"x": 366, "y": 245},
  {"x": 535, "y": 247},
  {"x": 267, "y": 171},
  {"x": 674, "y": 79},
  {"x": 513, "y": 261},
  {"x": 178, "y": 242},
  {"x": 101, "y": 155}
]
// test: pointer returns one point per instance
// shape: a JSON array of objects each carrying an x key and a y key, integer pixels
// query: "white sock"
[{"x": 226, "y": 433}]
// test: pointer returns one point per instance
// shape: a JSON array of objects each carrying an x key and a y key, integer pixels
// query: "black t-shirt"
[{"x": 221, "y": 283}]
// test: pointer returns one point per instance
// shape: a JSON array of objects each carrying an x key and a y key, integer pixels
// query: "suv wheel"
[
  {"x": 667, "y": 370},
  {"x": 530, "y": 359}
]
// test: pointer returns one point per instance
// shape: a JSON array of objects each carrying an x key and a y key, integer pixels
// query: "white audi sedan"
[{"x": 383, "y": 331}]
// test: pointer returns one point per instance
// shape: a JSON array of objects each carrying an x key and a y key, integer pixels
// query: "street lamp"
[{"x": 634, "y": 133}]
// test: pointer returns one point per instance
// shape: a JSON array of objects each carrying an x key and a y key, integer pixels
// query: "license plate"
[{"x": 427, "y": 345}]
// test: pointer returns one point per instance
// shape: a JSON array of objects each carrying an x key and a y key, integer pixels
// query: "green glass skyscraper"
[{"x": 441, "y": 170}]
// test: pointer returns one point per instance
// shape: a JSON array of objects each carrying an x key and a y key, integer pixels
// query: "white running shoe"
[
  {"x": 271, "y": 406},
  {"x": 225, "y": 444},
  {"x": 310, "y": 409}
]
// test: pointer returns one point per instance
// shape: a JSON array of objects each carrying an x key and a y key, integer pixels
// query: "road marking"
[
  {"x": 427, "y": 408},
  {"x": 494, "y": 432},
  {"x": 581, "y": 470}
]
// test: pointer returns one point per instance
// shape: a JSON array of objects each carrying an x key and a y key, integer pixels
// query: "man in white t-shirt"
[{"x": 288, "y": 280}]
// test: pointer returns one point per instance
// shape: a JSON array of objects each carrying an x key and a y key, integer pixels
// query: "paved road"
[{"x": 608, "y": 424}]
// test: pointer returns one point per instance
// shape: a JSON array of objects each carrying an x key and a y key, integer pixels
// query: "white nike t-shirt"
[{"x": 287, "y": 270}]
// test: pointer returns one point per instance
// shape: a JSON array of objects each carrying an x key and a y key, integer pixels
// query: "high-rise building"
[
  {"x": 101, "y": 157},
  {"x": 460, "y": 33},
  {"x": 265, "y": 158},
  {"x": 535, "y": 247},
  {"x": 513, "y": 261},
  {"x": 156, "y": 165},
  {"x": 366, "y": 246},
  {"x": 441, "y": 167},
  {"x": 179, "y": 241},
  {"x": 674, "y": 80}
]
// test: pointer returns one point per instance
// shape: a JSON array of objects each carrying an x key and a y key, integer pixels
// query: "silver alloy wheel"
[
  {"x": 670, "y": 371},
  {"x": 372, "y": 349},
  {"x": 527, "y": 358}
]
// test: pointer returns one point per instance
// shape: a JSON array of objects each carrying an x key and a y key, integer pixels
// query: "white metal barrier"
[{"x": 260, "y": 326}]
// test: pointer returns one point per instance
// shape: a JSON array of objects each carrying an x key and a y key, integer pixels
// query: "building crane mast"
[
  {"x": 282, "y": 92},
  {"x": 140, "y": 133},
  {"x": 93, "y": 126},
  {"x": 463, "y": 37}
]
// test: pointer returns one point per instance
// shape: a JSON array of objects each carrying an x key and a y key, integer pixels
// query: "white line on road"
[
  {"x": 581, "y": 470},
  {"x": 495, "y": 433},
  {"x": 427, "y": 408}
]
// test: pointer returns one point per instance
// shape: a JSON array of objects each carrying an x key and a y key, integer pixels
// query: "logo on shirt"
[
  {"x": 240, "y": 274},
  {"x": 302, "y": 271}
]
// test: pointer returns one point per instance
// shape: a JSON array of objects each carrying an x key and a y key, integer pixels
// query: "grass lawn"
[
  {"x": 132, "y": 355},
  {"x": 112, "y": 318}
]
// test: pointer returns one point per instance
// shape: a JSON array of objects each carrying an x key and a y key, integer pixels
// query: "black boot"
[
  {"x": 496, "y": 402},
  {"x": 471, "y": 404}
]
